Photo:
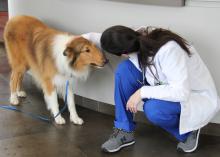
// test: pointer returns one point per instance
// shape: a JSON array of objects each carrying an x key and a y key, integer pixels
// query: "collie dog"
[{"x": 52, "y": 56}]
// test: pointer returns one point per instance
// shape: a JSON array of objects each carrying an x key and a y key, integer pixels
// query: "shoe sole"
[
  {"x": 119, "y": 148},
  {"x": 194, "y": 148}
]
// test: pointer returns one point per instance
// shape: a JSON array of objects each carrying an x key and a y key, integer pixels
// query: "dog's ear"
[
  {"x": 78, "y": 44},
  {"x": 67, "y": 51},
  {"x": 74, "y": 49},
  {"x": 72, "y": 52}
]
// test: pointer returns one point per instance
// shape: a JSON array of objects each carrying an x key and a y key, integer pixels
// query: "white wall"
[{"x": 197, "y": 21}]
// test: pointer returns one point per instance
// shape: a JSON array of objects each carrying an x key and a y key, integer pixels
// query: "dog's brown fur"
[{"x": 28, "y": 42}]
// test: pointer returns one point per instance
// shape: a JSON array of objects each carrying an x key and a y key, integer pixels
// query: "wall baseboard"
[{"x": 176, "y": 3}]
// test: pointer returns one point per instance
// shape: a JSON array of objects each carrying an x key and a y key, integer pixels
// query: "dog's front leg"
[
  {"x": 50, "y": 96},
  {"x": 53, "y": 106},
  {"x": 72, "y": 108}
]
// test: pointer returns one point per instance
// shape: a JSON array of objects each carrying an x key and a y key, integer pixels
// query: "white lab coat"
[{"x": 184, "y": 79}]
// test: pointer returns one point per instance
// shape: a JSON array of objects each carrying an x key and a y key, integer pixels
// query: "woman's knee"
[
  {"x": 160, "y": 112},
  {"x": 152, "y": 111}
]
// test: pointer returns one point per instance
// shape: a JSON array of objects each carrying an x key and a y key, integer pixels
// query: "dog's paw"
[
  {"x": 76, "y": 120},
  {"x": 60, "y": 120},
  {"x": 21, "y": 94},
  {"x": 14, "y": 100}
]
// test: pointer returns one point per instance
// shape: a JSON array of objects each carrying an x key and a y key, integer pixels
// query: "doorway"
[{"x": 3, "y": 17}]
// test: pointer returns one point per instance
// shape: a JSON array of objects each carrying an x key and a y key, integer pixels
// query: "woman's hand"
[{"x": 133, "y": 101}]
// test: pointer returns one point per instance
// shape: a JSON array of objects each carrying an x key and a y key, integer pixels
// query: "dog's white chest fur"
[{"x": 60, "y": 80}]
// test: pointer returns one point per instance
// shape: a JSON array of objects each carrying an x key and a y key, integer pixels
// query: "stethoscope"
[
  {"x": 143, "y": 82},
  {"x": 155, "y": 76}
]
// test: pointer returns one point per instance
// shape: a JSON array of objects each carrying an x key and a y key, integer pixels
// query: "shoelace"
[
  {"x": 114, "y": 134},
  {"x": 116, "y": 131}
]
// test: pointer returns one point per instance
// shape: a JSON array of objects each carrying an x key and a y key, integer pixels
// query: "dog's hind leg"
[
  {"x": 13, "y": 87},
  {"x": 15, "y": 84},
  {"x": 72, "y": 108},
  {"x": 20, "y": 92},
  {"x": 50, "y": 95},
  {"x": 18, "y": 68}
]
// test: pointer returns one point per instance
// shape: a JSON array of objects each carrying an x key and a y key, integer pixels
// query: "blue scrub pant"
[{"x": 164, "y": 114}]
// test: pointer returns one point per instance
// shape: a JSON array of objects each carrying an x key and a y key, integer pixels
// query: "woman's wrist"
[{"x": 143, "y": 92}]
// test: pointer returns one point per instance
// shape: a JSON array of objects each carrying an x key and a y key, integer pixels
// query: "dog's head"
[{"x": 81, "y": 53}]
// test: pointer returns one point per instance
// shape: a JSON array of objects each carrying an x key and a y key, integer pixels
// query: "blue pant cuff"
[{"x": 126, "y": 126}]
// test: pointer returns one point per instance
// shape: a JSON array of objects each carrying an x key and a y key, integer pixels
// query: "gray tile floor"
[{"x": 22, "y": 136}]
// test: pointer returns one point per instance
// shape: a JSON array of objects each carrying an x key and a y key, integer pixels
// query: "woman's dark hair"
[{"x": 120, "y": 40}]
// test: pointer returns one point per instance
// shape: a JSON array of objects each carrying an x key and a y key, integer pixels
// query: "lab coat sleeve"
[
  {"x": 174, "y": 67},
  {"x": 94, "y": 38}
]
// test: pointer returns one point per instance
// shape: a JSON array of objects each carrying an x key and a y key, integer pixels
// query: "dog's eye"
[{"x": 87, "y": 50}]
